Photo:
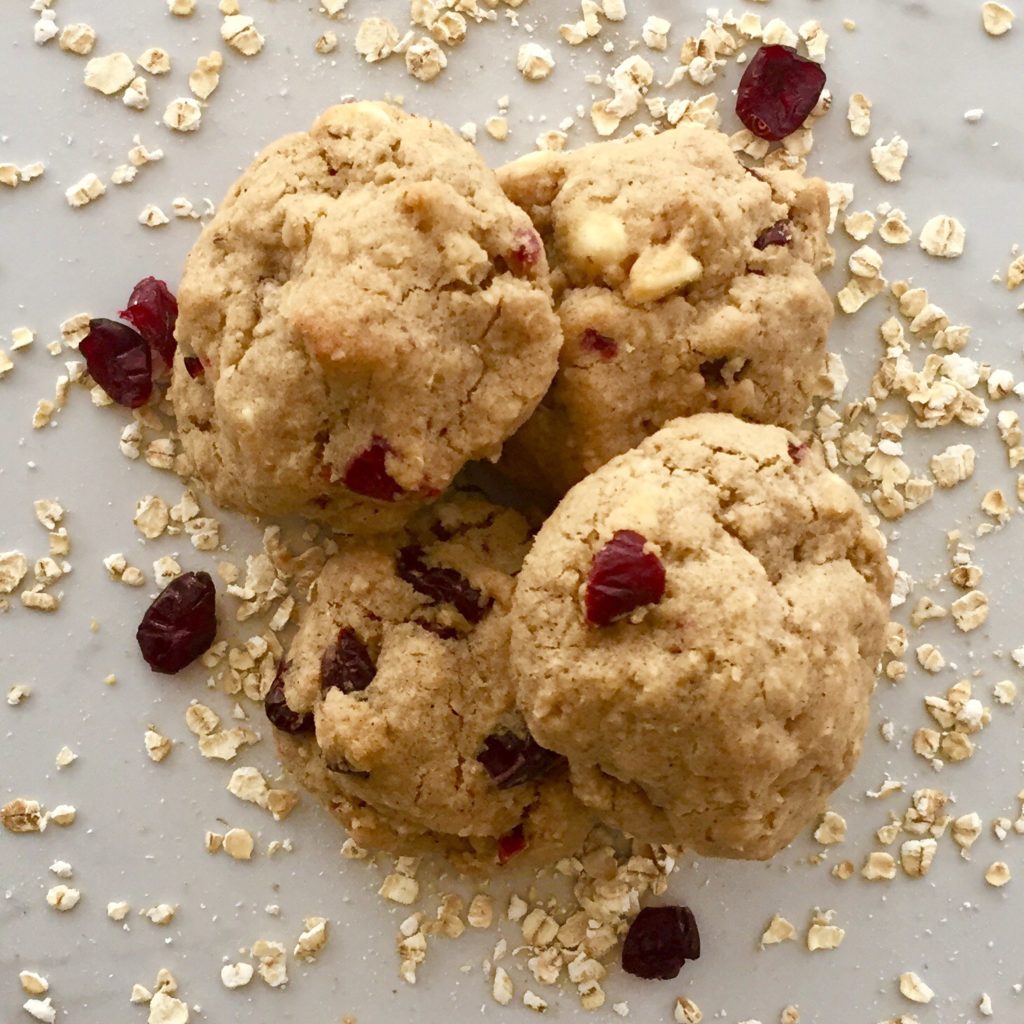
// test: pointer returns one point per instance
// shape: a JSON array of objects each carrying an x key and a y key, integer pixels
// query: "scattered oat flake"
[
  {"x": 157, "y": 745},
  {"x": 272, "y": 957},
  {"x": 161, "y": 914},
  {"x": 778, "y": 930},
  {"x": 534, "y": 1002},
  {"x": 312, "y": 940},
  {"x": 997, "y": 874},
  {"x": 914, "y": 989},
  {"x": 888, "y": 158},
  {"x": 879, "y": 866},
  {"x": 206, "y": 76},
  {"x": 376, "y": 39},
  {"x": 239, "y": 32},
  {"x": 78, "y": 38},
  {"x": 534, "y": 62},
  {"x": 183, "y": 115},
  {"x": 63, "y": 898},
  {"x": 399, "y": 889},
  {"x": 236, "y": 975},
  {"x": 33, "y": 984},
  {"x": 832, "y": 829},
  {"x": 18, "y": 693},
  {"x": 823, "y": 935},
  {"x": 181, "y": 8},
  {"x": 136, "y": 96},
  {"x": 21, "y": 815},
  {"x": 42, "y": 1009},
  {"x": 686, "y": 1011},
  {"x": 84, "y": 191},
  {"x": 859, "y": 114},
  {"x": 167, "y": 1009},
  {"x": 997, "y": 19},
  {"x": 943, "y": 236},
  {"x": 425, "y": 60},
  {"x": 156, "y": 61},
  {"x": 238, "y": 844},
  {"x": 110, "y": 74}
]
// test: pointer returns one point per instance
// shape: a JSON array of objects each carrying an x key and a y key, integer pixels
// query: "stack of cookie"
[{"x": 686, "y": 647}]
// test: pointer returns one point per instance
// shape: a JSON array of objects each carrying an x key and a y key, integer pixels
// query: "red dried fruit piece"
[
  {"x": 511, "y": 760},
  {"x": 346, "y": 665},
  {"x": 778, "y": 91},
  {"x": 279, "y": 714},
  {"x": 153, "y": 311},
  {"x": 623, "y": 577},
  {"x": 778, "y": 234},
  {"x": 510, "y": 844},
  {"x": 367, "y": 473},
  {"x": 180, "y": 624},
  {"x": 120, "y": 361},
  {"x": 797, "y": 451},
  {"x": 441, "y": 584},
  {"x": 594, "y": 341},
  {"x": 659, "y": 941},
  {"x": 194, "y": 367},
  {"x": 526, "y": 248}
]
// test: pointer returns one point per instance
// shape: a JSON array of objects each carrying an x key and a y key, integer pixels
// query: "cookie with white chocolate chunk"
[{"x": 685, "y": 283}]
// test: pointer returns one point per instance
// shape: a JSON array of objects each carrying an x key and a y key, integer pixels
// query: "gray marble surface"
[{"x": 139, "y": 833}]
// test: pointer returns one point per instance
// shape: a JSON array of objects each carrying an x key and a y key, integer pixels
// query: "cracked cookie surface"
[
  {"x": 369, "y": 312},
  {"x": 729, "y": 696},
  {"x": 402, "y": 659},
  {"x": 685, "y": 283}
]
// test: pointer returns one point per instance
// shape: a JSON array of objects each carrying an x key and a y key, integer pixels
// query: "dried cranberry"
[
  {"x": 527, "y": 248},
  {"x": 510, "y": 844},
  {"x": 153, "y": 311},
  {"x": 367, "y": 473},
  {"x": 778, "y": 91},
  {"x": 194, "y": 367},
  {"x": 797, "y": 451},
  {"x": 280, "y": 715},
  {"x": 594, "y": 341},
  {"x": 346, "y": 664},
  {"x": 180, "y": 624},
  {"x": 511, "y": 760},
  {"x": 623, "y": 577},
  {"x": 119, "y": 360},
  {"x": 441, "y": 584},
  {"x": 659, "y": 941},
  {"x": 778, "y": 234}
]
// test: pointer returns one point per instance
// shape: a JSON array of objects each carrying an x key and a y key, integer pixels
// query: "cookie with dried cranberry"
[
  {"x": 398, "y": 679},
  {"x": 697, "y": 629},
  {"x": 366, "y": 313},
  {"x": 554, "y": 825},
  {"x": 685, "y": 283}
]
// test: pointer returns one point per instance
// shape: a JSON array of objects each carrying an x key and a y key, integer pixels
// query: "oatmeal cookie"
[
  {"x": 397, "y": 702},
  {"x": 366, "y": 313},
  {"x": 697, "y": 628},
  {"x": 685, "y": 283}
]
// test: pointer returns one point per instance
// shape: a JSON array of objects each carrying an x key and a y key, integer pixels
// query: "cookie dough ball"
[
  {"x": 685, "y": 283},
  {"x": 400, "y": 667},
  {"x": 366, "y": 313},
  {"x": 696, "y": 629}
]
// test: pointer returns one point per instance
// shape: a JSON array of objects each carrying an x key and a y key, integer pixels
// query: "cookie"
[
  {"x": 685, "y": 283},
  {"x": 697, "y": 628},
  {"x": 400, "y": 666},
  {"x": 365, "y": 313}
]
